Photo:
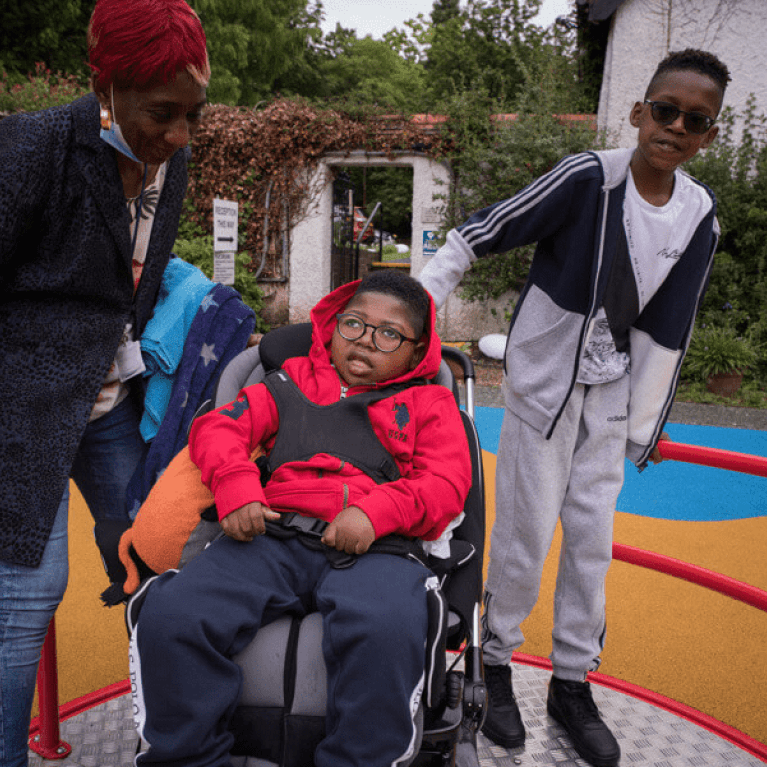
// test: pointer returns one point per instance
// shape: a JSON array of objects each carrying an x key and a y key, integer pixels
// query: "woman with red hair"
[{"x": 90, "y": 199}]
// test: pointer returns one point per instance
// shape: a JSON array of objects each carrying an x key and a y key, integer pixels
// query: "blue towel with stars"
[
  {"x": 220, "y": 330},
  {"x": 182, "y": 290}
]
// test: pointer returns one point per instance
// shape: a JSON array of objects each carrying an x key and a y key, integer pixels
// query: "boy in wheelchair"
[{"x": 394, "y": 469}]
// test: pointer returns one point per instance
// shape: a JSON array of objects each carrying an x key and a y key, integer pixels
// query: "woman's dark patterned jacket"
[{"x": 66, "y": 293}]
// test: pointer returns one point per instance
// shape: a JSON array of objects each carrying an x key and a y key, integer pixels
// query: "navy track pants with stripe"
[{"x": 194, "y": 621}]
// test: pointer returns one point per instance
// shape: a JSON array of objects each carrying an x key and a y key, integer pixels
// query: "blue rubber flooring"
[{"x": 676, "y": 490}]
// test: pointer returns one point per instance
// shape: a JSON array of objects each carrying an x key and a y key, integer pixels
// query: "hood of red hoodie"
[{"x": 323, "y": 318}]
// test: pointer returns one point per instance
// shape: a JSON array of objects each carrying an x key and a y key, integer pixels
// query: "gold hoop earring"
[{"x": 106, "y": 118}]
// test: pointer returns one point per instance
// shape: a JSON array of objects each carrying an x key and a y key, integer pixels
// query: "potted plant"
[{"x": 719, "y": 356}]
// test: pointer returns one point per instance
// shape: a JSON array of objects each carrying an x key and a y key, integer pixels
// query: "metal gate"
[{"x": 343, "y": 253}]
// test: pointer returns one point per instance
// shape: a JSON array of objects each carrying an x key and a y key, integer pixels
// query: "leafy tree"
[
  {"x": 48, "y": 31},
  {"x": 252, "y": 43},
  {"x": 443, "y": 11},
  {"x": 413, "y": 42},
  {"x": 337, "y": 42},
  {"x": 552, "y": 78},
  {"x": 485, "y": 46},
  {"x": 303, "y": 77},
  {"x": 368, "y": 71}
]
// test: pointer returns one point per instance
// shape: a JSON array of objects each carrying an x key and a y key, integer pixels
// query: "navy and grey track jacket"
[{"x": 575, "y": 213}]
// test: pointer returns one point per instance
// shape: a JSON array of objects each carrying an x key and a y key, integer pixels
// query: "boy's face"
[
  {"x": 663, "y": 148},
  {"x": 360, "y": 362}
]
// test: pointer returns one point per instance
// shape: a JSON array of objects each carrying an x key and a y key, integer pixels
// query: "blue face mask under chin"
[{"x": 114, "y": 136}]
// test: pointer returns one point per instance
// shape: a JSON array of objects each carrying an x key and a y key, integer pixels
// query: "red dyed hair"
[{"x": 139, "y": 43}]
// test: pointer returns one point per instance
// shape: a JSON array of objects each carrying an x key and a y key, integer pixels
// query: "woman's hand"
[
  {"x": 351, "y": 531},
  {"x": 245, "y": 523}
]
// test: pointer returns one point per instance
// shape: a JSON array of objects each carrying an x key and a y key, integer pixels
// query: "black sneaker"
[
  {"x": 503, "y": 723},
  {"x": 571, "y": 704}
]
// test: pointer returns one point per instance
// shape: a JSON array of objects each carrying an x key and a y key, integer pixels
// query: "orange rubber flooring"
[{"x": 669, "y": 636}]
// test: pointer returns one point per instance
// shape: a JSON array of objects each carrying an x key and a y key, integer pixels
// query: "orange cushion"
[{"x": 166, "y": 519}]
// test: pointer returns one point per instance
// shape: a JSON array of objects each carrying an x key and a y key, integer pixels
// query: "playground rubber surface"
[{"x": 680, "y": 640}]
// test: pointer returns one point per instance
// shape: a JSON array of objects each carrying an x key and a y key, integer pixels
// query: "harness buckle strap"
[{"x": 292, "y": 520}]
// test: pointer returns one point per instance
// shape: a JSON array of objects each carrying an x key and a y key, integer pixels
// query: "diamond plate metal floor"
[{"x": 649, "y": 737}]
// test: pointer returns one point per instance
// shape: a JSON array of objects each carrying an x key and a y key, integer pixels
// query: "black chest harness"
[{"x": 343, "y": 430}]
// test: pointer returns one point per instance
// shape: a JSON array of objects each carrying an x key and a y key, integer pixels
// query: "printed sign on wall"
[
  {"x": 225, "y": 216},
  {"x": 429, "y": 242}
]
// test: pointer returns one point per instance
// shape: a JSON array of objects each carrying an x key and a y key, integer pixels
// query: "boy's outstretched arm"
[{"x": 532, "y": 214}]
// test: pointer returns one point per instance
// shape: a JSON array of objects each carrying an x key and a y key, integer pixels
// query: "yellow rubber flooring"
[{"x": 664, "y": 634}]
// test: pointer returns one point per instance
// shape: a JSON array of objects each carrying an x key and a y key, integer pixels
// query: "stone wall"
[
  {"x": 644, "y": 31},
  {"x": 310, "y": 246}
]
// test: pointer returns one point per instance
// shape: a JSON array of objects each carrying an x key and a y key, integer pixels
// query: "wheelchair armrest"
[{"x": 461, "y": 552}]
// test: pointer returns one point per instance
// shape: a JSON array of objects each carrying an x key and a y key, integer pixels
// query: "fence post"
[{"x": 47, "y": 742}]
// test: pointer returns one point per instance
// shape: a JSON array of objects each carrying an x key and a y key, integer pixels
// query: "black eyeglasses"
[
  {"x": 386, "y": 339},
  {"x": 664, "y": 114}
]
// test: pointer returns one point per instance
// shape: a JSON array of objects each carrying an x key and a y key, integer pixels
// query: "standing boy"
[
  {"x": 625, "y": 242},
  {"x": 369, "y": 336}
]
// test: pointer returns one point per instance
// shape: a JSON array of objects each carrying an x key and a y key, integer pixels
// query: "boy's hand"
[
  {"x": 351, "y": 531},
  {"x": 245, "y": 523},
  {"x": 655, "y": 456}
]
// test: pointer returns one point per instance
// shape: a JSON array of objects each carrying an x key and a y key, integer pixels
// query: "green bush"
[
  {"x": 718, "y": 349},
  {"x": 40, "y": 90},
  {"x": 199, "y": 252},
  {"x": 189, "y": 227}
]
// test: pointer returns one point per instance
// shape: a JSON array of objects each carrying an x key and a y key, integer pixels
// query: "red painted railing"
[
  {"x": 743, "y": 592},
  {"x": 711, "y": 456},
  {"x": 47, "y": 741}
]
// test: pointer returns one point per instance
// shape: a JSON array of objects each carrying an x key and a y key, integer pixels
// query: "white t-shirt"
[{"x": 656, "y": 238}]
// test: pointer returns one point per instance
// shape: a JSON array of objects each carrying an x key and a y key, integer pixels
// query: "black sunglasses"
[{"x": 664, "y": 114}]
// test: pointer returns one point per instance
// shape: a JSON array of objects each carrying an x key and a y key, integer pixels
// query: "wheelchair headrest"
[
  {"x": 283, "y": 343},
  {"x": 244, "y": 370},
  {"x": 277, "y": 346}
]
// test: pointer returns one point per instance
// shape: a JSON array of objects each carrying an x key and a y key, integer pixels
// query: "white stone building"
[
  {"x": 644, "y": 31},
  {"x": 310, "y": 267}
]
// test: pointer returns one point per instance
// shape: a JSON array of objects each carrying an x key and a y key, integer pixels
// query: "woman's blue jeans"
[{"x": 109, "y": 452}]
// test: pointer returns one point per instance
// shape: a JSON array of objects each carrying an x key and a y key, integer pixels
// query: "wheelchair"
[{"x": 280, "y": 719}]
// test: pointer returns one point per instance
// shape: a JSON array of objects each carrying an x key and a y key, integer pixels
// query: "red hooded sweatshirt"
[{"x": 429, "y": 445}]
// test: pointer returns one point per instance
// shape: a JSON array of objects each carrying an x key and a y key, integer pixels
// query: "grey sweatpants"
[{"x": 575, "y": 476}]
